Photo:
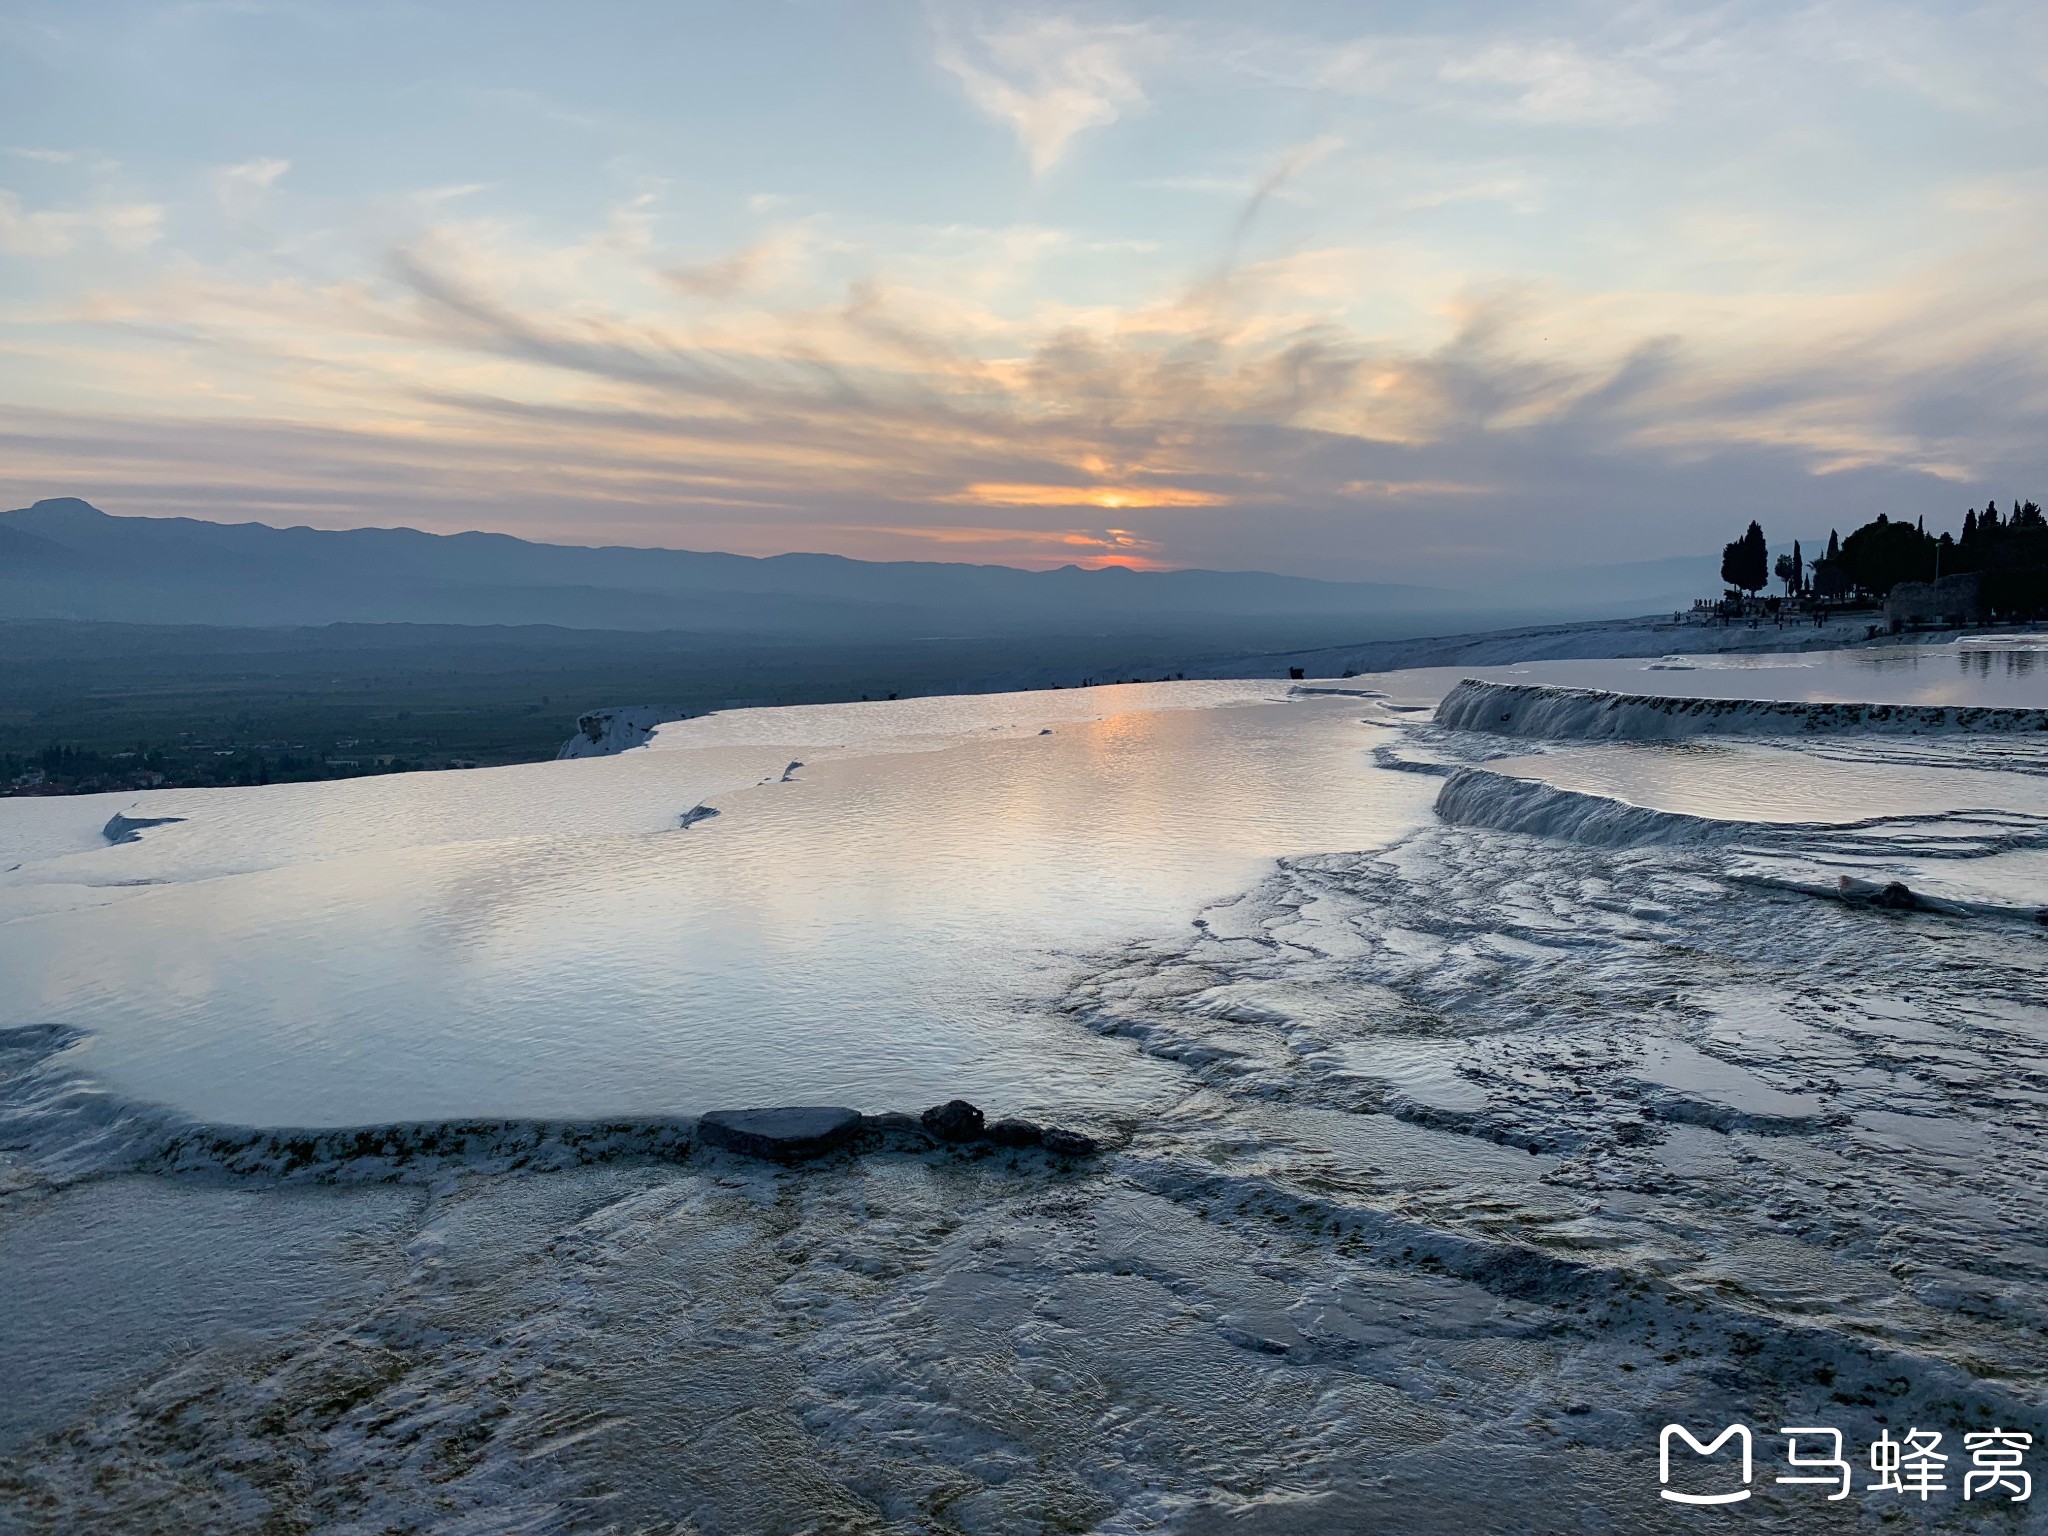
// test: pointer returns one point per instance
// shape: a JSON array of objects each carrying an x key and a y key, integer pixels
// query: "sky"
[{"x": 1435, "y": 292}]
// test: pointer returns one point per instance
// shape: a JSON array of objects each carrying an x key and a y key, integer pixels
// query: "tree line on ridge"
[{"x": 2009, "y": 550}]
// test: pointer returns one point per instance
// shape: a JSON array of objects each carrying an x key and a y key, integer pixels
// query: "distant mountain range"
[{"x": 65, "y": 559}]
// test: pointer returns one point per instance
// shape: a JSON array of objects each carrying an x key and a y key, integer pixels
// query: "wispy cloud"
[
  {"x": 241, "y": 189},
  {"x": 752, "y": 267},
  {"x": 1538, "y": 80},
  {"x": 1047, "y": 79},
  {"x": 485, "y": 375},
  {"x": 48, "y": 232},
  {"x": 1559, "y": 82}
]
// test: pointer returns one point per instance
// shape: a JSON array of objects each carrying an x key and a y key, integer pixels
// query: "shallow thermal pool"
[
  {"x": 547, "y": 941},
  {"x": 1470, "y": 1109},
  {"x": 1739, "y": 781},
  {"x": 1998, "y": 671}
]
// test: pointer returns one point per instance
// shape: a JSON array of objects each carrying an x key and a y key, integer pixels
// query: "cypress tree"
[{"x": 1746, "y": 563}]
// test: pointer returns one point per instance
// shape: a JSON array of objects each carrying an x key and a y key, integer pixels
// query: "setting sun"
[{"x": 1108, "y": 497}]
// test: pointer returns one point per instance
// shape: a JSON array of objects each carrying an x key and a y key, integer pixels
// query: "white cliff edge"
[{"x": 1592, "y": 714}]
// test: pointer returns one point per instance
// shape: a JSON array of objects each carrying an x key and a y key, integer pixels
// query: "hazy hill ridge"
[{"x": 63, "y": 558}]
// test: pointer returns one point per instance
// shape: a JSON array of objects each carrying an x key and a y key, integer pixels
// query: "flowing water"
[{"x": 1473, "y": 1106}]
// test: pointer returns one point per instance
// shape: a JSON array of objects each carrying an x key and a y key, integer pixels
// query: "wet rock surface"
[
  {"x": 961, "y": 1123},
  {"x": 790, "y": 1135},
  {"x": 955, "y": 1120},
  {"x": 800, "y": 1133},
  {"x": 1889, "y": 896},
  {"x": 1064, "y": 1143}
]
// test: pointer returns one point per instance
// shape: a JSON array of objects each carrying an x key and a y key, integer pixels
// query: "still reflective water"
[
  {"x": 2005, "y": 671},
  {"x": 545, "y": 941},
  {"x": 1735, "y": 780}
]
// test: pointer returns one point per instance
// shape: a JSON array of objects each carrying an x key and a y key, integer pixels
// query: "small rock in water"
[
  {"x": 954, "y": 1120},
  {"x": 1892, "y": 896},
  {"x": 1015, "y": 1133},
  {"x": 786, "y": 1135},
  {"x": 1063, "y": 1143}
]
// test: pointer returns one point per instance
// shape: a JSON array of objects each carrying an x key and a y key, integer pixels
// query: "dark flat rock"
[
  {"x": 893, "y": 1128},
  {"x": 1015, "y": 1133},
  {"x": 786, "y": 1135}
]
